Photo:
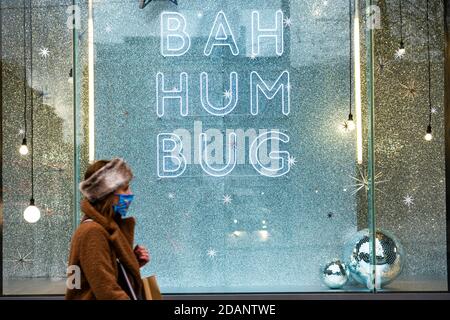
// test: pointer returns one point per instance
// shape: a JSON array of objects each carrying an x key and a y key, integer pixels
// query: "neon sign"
[{"x": 174, "y": 149}]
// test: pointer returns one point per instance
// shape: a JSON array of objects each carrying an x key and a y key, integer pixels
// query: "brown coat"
[{"x": 94, "y": 248}]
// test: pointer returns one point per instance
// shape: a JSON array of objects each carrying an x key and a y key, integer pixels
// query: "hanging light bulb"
[
  {"x": 429, "y": 135},
  {"x": 401, "y": 51},
  {"x": 24, "y": 148},
  {"x": 70, "y": 79},
  {"x": 32, "y": 213},
  {"x": 350, "y": 123}
]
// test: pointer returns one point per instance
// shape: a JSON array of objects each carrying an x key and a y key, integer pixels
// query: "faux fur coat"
[{"x": 95, "y": 246}]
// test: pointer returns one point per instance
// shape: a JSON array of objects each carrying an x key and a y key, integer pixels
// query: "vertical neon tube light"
[
  {"x": 357, "y": 73},
  {"x": 91, "y": 83}
]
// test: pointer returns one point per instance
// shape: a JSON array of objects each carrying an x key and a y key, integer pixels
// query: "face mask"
[{"x": 124, "y": 202}]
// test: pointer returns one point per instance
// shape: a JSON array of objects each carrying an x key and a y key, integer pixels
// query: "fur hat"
[{"x": 106, "y": 180}]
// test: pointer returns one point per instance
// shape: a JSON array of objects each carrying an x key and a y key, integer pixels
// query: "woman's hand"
[{"x": 142, "y": 255}]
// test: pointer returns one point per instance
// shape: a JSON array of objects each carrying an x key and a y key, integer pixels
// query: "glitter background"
[
  {"x": 412, "y": 165},
  {"x": 309, "y": 213},
  {"x": 47, "y": 241}
]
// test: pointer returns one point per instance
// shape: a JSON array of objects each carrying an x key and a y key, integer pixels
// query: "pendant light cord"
[
  {"x": 24, "y": 69},
  {"x": 32, "y": 110},
  {"x": 350, "y": 50},
  {"x": 429, "y": 65},
  {"x": 401, "y": 22}
]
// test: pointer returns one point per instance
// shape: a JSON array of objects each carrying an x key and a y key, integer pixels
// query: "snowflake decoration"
[
  {"x": 21, "y": 260},
  {"x": 362, "y": 182},
  {"x": 408, "y": 200},
  {"x": 227, "y": 199},
  {"x": 400, "y": 53},
  {"x": 411, "y": 89},
  {"x": 171, "y": 195},
  {"x": 292, "y": 161},
  {"x": 287, "y": 22},
  {"x": 212, "y": 253},
  {"x": 44, "y": 52},
  {"x": 227, "y": 94}
]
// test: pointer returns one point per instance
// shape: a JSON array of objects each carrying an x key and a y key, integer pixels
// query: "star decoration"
[
  {"x": 433, "y": 110},
  {"x": 108, "y": 29},
  {"x": 287, "y": 22},
  {"x": 212, "y": 253},
  {"x": 171, "y": 195},
  {"x": 21, "y": 260},
  {"x": 408, "y": 200},
  {"x": 363, "y": 182},
  {"x": 345, "y": 126},
  {"x": 410, "y": 89},
  {"x": 44, "y": 52},
  {"x": 21, "y": 131},
  {"x": 144, "y": 3},
  {"x": 400, "y": 53},
  {"x": 227, "y": 199},
  {"x": 227, "y": 94},
  {"x": 48, "y": 211},
  {"x": 65, "y": 263},
  {"x": 253, "y": 56},
  {"x": 316, "y": 12},
  {"x": 289, "y": 87},
  {"x": 292, "y": 161},
  {"x": 381, "y": 65},
  {"x": 43, "y": 94}
]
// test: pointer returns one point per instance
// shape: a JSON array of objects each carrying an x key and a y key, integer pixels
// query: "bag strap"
[{"x": 130, "y": 287}]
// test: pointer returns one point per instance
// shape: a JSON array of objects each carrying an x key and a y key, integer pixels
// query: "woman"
[{"x": 102, "y": 246}]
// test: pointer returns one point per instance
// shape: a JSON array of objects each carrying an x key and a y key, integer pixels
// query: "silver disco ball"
[
  {"x": 389, "y": 258},
  {"x": 335, "y": 274}
]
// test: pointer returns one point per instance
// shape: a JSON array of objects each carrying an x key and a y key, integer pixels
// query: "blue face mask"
[{"x": 124, "y": 202}]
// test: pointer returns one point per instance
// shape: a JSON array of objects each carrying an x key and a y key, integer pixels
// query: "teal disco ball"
[
  {"x": 389, "y": 258},
  {"x": 335, "y": 274}
]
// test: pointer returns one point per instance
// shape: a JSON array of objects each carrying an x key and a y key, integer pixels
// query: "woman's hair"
[{"x": 104, "y": 205}]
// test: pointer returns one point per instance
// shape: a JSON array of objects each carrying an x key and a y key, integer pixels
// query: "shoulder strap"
[{"x": 130, "y": 287}]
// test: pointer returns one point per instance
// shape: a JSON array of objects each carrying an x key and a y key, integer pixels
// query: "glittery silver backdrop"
[
  {"x": 37, "y": 250},
  {"x": 411, "y": 203}
]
